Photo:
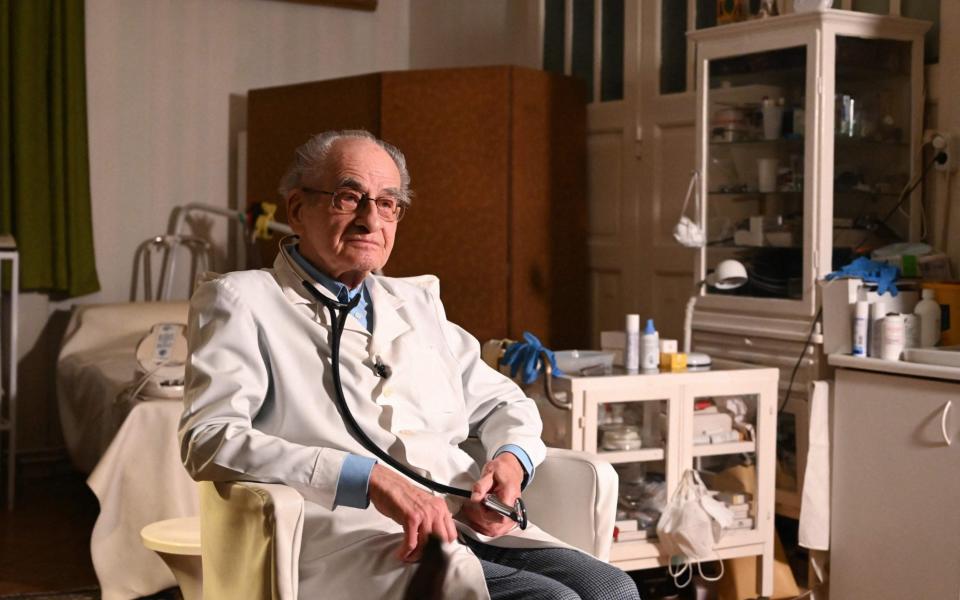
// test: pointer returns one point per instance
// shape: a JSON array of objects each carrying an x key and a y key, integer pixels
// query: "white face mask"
[
  {"x": 690, "y": 525},
  {"x": 687, "y": 232}
]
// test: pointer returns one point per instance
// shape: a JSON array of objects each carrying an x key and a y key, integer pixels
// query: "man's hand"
[
  {"x": 419, "y": 512},
  {"x": 502, "y": 477}
]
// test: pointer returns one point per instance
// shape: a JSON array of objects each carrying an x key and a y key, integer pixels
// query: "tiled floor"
[{"x": 45, "y": 540}]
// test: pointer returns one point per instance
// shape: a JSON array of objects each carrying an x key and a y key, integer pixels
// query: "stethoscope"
[{"x": 338, "y": 316}]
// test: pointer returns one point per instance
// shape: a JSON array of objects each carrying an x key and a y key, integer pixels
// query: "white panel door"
[
  {"x": 640, "y": 155},
  {"x": 614, "y": 219}
]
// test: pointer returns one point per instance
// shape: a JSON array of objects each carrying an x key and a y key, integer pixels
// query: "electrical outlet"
[{"x": 946, "y": 143}]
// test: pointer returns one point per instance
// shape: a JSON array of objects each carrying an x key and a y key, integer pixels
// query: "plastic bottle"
[
  {"x": 929, "y": 312},
  {"x": 911, "y": 331},
  {"x": 631, "y": 352},
  {"x": 878, "y": 310},
  {"x": 650, "y": 348},
  {"x": 893, "y": 337},
  {"x": 861, "y": 320}
]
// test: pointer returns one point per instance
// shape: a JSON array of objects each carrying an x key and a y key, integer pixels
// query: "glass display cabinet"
[{"x": 808, "y": 130}]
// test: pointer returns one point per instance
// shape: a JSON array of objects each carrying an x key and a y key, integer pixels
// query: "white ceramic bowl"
[{"x": 625, "y": 437}]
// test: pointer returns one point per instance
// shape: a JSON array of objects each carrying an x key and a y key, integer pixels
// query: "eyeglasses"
[{"x": 349, "y": 201}]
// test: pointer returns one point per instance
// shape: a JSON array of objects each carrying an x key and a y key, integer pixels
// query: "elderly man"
[{"x": 261, "y": 402}]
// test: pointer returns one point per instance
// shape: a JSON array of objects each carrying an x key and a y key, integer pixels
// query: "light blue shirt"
[
  {"x": 363, "y": 311},
  {"x": 353, "y": 484}
]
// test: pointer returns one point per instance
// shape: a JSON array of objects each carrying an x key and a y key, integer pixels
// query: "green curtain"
[{"x": 44, "y": 168}]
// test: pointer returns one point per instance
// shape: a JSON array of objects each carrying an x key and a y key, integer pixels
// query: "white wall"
[
  {"x": 160, "y": 76},
  {"x": 459, "y": 33}
]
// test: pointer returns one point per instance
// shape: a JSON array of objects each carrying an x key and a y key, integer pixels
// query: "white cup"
[
  {"x": 892, "y": 343},
  {"x": 772, "y": 121},
  {"x": 767, "y": 174}
]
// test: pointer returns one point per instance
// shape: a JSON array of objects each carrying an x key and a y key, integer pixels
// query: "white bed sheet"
[{"x": 129, "y": 448}]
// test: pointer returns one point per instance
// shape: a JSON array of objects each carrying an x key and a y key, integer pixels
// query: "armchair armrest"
[
  {"x": 250, "y": 540},
  {"x": 250, "y": 532},
  {"x": 588, "y": 487},
  {"x": 588, "y": 511}
]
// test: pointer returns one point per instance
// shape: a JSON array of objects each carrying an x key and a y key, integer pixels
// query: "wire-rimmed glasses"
[{"x": 349, "y": 201}]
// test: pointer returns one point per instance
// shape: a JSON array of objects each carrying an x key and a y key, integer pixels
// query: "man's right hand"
[{"x": 419, "y": 512}]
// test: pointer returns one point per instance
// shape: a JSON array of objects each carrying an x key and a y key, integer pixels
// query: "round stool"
[{"x": 177, "y": 542}]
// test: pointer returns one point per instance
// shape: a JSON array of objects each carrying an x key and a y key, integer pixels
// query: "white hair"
[{"x": 311, "y": 158}]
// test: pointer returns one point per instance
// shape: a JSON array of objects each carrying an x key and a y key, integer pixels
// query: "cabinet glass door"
[
  {"x": 633, "y": 435},
  {"x": 724, "y": 445},
  {"x": 756, "y": 110},
  {"x": 871, "y": 145}
]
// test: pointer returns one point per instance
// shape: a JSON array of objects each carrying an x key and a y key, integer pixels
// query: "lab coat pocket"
[{"x": 422, "y": 381}]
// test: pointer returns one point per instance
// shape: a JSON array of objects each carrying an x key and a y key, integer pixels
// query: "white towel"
[{"x": 814, "y": 532}]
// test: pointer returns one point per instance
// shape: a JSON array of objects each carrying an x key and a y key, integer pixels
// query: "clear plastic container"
[{"x": 621, "y": 437}]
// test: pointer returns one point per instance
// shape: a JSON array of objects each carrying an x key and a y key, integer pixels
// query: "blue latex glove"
[
  {"x": 524, "y": 358},
  {"x": 884, "y": 275}
]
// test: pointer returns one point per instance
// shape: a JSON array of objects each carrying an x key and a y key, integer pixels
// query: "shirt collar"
[{"x": 337, "y": 288}]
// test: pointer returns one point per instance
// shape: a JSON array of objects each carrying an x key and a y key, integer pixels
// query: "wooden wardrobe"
[{"x": 497, "y": 157}]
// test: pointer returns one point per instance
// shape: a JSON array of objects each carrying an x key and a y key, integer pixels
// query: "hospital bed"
[{"x": 129, "y": 448}]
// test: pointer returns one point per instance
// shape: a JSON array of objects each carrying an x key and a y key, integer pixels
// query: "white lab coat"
[{"x": 259, "y": 405}]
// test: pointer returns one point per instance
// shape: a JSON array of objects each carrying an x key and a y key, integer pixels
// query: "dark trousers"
[{"x": 550, "y": 574}]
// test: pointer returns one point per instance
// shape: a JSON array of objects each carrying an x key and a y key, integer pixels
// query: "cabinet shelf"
[
  {"x": 721, "y": 449},
  {"x": 841, "y": 141},
  {"x": 720, "y": 195},
  {"x": 732, "y": 246},
  {"x": 629, "y": 456},
  {"x": 757, "y": 142},
  {"x": 754, "y": 193}
]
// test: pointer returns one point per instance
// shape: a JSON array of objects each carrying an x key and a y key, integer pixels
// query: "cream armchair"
[{"x": 250, "y": 532}]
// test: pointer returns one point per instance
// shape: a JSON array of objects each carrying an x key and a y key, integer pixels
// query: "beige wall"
[{"x": 458, "y": 33}]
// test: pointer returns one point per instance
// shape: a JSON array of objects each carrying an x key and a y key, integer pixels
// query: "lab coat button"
[{"x": 387, "y": 391}]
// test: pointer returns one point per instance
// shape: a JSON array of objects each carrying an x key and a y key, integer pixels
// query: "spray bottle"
[
  {"x": 650, "y": 348},
  {"x": 631, "y": 354}
]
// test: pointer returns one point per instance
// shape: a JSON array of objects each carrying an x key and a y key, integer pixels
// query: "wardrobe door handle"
[{"x": 943, "y": 422}]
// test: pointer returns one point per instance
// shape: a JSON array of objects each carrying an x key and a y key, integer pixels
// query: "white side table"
[{"x": 8, "y": 417}]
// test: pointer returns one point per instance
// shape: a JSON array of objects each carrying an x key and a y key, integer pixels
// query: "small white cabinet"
[
  {"x": 895, "y": 521},
  {"x": 661, "y": 409}
]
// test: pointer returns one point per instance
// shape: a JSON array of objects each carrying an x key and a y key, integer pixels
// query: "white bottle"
[
  {"x": 878, "y": 309},
  {"x": 631, "y": 352},
  {"x": 861, "y": 320},
  {"x": 928, "y": 309},
  {"x": 650, "y": 348},
  {"x": 911, "y": 331},
  {"x": 893, "y": 337}
]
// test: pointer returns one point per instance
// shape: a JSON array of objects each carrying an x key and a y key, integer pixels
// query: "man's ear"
[{"x": 294, "y": 210}]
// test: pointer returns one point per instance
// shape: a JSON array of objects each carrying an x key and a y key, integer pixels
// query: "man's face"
[{"x": 346, "y": 246}]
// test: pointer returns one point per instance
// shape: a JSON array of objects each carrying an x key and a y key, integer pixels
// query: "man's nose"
[{"x": 368, "y": 217}]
